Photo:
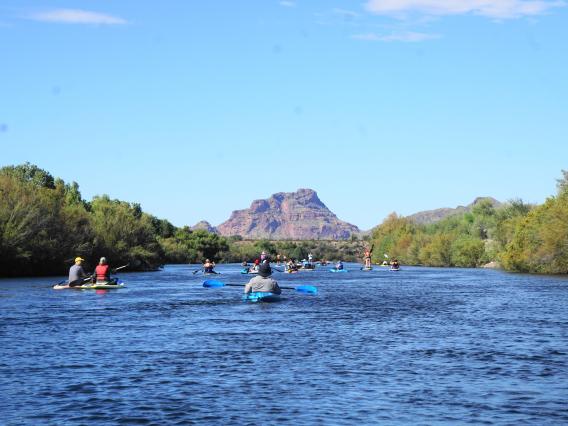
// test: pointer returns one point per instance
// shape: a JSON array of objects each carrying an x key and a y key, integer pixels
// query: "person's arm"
[{"x": 83, "y": 272}]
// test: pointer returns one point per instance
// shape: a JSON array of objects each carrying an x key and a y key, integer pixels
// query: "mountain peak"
[{"x": 299, "y": 214}]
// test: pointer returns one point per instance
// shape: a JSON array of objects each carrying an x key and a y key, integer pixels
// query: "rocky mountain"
[
  {"x": 298, "y": 214},
  {"x": 431, "y": 216},
  {"x": 206, "y": 226}
]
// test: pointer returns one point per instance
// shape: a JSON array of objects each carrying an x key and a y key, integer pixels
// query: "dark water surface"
[{"x": 422, "y": 346}]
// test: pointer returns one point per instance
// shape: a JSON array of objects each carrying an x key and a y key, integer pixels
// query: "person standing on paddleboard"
[
  {"x": 278, "y": 259},
  {"x": 208, "y": 266},
  {"x": 102, "y": 272},
  {"x": 367, "y": 258},
  {"x": 262, "y": 282},
  {"x": 75, "y": 272}
]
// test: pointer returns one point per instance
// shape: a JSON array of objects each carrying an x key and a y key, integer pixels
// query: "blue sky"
[{"x": 196, "y": 108}]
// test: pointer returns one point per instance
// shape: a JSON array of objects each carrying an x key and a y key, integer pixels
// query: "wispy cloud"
[
  {"x": 407, "y": 36},
  {"x": 501, "y": 9},
  {"x": 287, "y": 3},
  {"x": 76, "y": 16}
]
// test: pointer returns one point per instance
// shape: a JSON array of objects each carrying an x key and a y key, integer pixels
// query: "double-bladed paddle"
[{"x": 307, "y": 289}]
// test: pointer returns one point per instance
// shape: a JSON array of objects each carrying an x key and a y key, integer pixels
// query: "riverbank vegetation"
[
  {"x": 519, "y": 236},
  {"x": 45, "y": 224}
]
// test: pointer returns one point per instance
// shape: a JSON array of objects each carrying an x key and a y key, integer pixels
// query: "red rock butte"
[{"x": 298, "y": 215}]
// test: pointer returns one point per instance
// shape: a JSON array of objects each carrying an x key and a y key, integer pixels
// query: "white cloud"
[
  {"x": 287, "y": 3},
  {"x": 504, "y": 9},
  {"x": 408, "y": 36},
  {"x": 75, "y": 16}
]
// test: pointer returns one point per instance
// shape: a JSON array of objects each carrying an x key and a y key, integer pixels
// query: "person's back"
[
  {"x": 339, "y": 266},
  {"x": 208, "y": 266},
  {"x": 76, "y": 273},
  {"x": 102, "y": 272},
  {"x": 262, "y": 282}
]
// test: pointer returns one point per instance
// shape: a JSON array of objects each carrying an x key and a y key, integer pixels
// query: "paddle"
[
  {"x": 307, "y": 289},
  {"x": 131, "y": 264},
  {"x": 198, "y": 271}
]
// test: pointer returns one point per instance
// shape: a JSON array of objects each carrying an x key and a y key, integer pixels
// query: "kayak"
[
  {"x": 248, "y": 271},
  {"x": 339, "y": 270},
  {"x": 245, "y": 264},
  {"x": 291, "y": 271},
  {"x": 395, "y": 269},
  {"x": 367, "y": 269},
  {"x": 92, "y": 287},
  {"x": 261, "y": 296}
]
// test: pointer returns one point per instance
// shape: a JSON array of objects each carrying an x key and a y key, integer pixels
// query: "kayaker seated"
[
  {"x": 102, "y": 272},
  {"x": 208, "y": 266},
  {"x": 262, "y": 282},
  {"x": 256, "y": 265},
  {"x": 339, "y": 266},
  {"x": 394, "y": 264},
  {"x": 385, "y": 262},
  {"x": 76, "y": 272}
]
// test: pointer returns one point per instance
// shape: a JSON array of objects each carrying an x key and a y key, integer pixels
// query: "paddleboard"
[
  {"x": 91, "y": 287},
  {"x": 367, "y": 269},
  {"x": 395, "y": 269},
  {"x": 339, "y": 270}
]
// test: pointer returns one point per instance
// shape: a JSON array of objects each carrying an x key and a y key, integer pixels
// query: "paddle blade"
[
  {"x": 386, "y": 256},
  {"x": 134, "y": 263},
  {"x": 213, "y": 284},
  {"x": 308, "y": 289}
]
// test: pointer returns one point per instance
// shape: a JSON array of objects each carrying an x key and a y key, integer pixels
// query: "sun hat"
[
  {"x": 265, "y": 271},
  {"x": 256, "y": 261},
  {"x": 79, "y": 259}
]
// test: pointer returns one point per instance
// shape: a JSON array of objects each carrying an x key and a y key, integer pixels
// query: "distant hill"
[
  {"x": 298, "y": 214},
  {"x": 206, "y": 226},
  {"x": 432, "y": 216}
]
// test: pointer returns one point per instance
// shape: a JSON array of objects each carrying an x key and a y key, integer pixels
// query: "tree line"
[{"x": 519, "y": 236}]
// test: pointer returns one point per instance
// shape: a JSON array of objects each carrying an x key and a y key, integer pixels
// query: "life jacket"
[
  {"x": 101, "y": 273},
  {"x": 340, "y": 266}
]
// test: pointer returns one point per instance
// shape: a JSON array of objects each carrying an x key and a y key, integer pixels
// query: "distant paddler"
[
  {"x": 368, "y": 255},
  {"x": 395, "y": 264},
  {"x": 339, "y": 266},
  {"x": 278, "y": 259},
  {"x": 208, "y": 266}
]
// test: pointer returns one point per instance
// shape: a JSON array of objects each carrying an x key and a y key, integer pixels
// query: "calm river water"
[{"x": 422, "y": 346}]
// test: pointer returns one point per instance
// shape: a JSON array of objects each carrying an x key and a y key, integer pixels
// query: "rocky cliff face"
[
  {"x": 298, "y": 214},
  {"x": 206, "y": 226},
  {"x": 431, "y": 216}
]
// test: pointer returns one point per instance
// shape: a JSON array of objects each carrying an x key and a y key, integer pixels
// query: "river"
[{"x": 423, "y": 346}]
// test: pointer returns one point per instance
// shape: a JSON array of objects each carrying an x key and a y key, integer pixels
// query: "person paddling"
[
  {"x": 278, "y": 259},
  {"x": 208, "y": 266},
  {"x": 263, "y": 256},
  {"x": 75, "y": 272},
  {"x": 339, "y": 266},
  {"x": 102, "y": 272},
  {"x": 367, "y": 258},
  {"x": 394, "y": 264},
  {"x": 263, "y": 282}
]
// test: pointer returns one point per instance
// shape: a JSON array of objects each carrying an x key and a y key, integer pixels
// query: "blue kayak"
[
  {"x": 339, "y": 270},
  {"x": 261, "y": 296},
  {"x": 248, "y": 271}
]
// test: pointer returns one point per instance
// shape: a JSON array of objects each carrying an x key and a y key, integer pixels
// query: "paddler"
[
  {"x": 263, "y": 256},
  {"x": 394, "y": 264},
  {"x": 310, "y": 258},
  {"x": 102, "y": 272},
  {"x": 255, "y": 266},
  {"x": 278, "y": 259},
  {"x": 263, "y": 282},
  {"x": 75, "y": 272},
  {"x": 208, "y": 266},
  {"x": 367, "y": 258},
  {"x": 339, "y": 266}
]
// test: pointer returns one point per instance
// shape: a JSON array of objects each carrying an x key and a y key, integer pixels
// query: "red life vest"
[{"x": 101, "y": 273}]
